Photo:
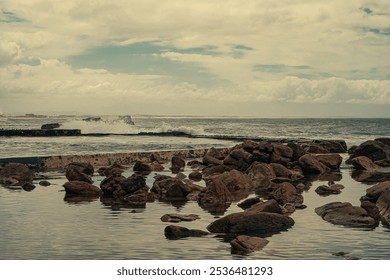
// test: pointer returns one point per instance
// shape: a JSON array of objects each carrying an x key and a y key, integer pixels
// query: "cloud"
[{"x": 9, "y": 52}]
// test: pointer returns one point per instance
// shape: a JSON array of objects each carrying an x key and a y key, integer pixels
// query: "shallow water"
[{"x": 41, "y": 225}]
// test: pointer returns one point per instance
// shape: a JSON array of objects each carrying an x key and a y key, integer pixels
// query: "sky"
[{"x": 262, "y": 58}]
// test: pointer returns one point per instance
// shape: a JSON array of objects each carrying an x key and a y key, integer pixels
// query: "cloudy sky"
[{"x": 265, "y": 58}]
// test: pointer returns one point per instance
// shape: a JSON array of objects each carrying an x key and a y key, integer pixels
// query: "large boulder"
[
  {"x": 16, "y": 174},
  {"x": 171, "y": 189},
  {"x": 345, "y": 214},
  {"x": 239, "y": 159},
  {"x": 251, "y": 222},
  {"x": 311, "y": 166},
  {"x": 375, "y": 150},
  {"x": 363, "y": 163},
  {"x": 260, "y": 174},
  {"x": 332, "y": 161},
  {"x": 281, "y": 154}
]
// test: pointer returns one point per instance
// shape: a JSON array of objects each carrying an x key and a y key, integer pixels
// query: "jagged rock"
[
  {"x": 347, "y": 215},
  {"x": 226, "y": 187},
  {"x": 248, "y": 221},
  {"x": 244, "y": 244},
  {"x": 171, "y": 189},
  {"x": 177, "y": 164},
  {"x": 281, "y": 154},
  {"x": 375, "y": 150},
  {"x": 16, "y": 174},
  {"x": 177, "y": 218},
  {"x": 81, "y": 188},
  {"x": 176, "y": 232},
  {"x": 332, "y": 161},
  {"x": 260, "y": 174},
  {"x": 363, "y": 163}
]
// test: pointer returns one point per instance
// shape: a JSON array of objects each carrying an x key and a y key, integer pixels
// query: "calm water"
[{"x": 41, "y": 225}]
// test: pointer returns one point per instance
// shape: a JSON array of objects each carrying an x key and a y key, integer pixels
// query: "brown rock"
[
  {"x": 176, "y": 232},
  {"x": 311, "y": 166},
  {"x": 333, "y": 161},
  {"x": 195, "y": 176},
  {"x": 17, "y": 173},
  {"x": 74, "y": 173},
  {"x": 363, "y": 163},
  {"x": 244, "y": 244},
  {"x": 177, "y": 163},
  {"x": 383, "y": 204},
  {"x": 281, "y": 154},
  {"x": 177, "y": 218},
  {"x": 81, "y": 188},
  {"x": 260, "y": 174},
  {"x": 246, "y": 222},
  {"x": 271, "y": 206}
]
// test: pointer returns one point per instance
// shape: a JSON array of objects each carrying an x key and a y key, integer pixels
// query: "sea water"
[{"x": 42, "y": 224}]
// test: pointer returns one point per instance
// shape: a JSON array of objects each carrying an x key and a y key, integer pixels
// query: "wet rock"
[
  {"x": 176, "y": 232},
  {"x": 370, "y": 176},
  {"x": 195, "y": 176},
  {"x": 171, "y": 189},
  {"x": 75, "y": 173},
  {"x": 84, "y": 167},
  {"x": 281, "y": 170},
  {"x": 375, "y": 150},
  {"x": 177, "y": 164},
  {"x": 217, "y": 169},
  {"x": 363, "y": 163},
  {"x": 251, "y": 222},
  {"x": 15, "y": 174},
  {"x": 285, "y": 193},
  {"x": 142, "y": 167},
  {"x": 371, "y": 209},
  {"x": 332, "y": 161},
  {"x": 81, "y": 188},
  {"x": 177, "y": 218},
  {"x": 271, "y": 206},
  {"x": 373, "y": 193},
  {"x": 112, "y": 184},
  {"x": 226, "y": 187},
  {"x": 297, "y": 149},
  {"x": 345, "y": 214},
  {"x": 136, "y": 200},
  {"x": 50, "y": 125},
  {"x": 281, "y": 154},
  {"x": 28, "y": 187},
  {"x": 260, "y": 174},
  {"x": 244, "y": 244},
  {"x": 247, "y": 203},
  {"x": 324, "y": 190},
  {"x": 383, "y": 204},
  {"x": 326, "y": 146},
  {"x": 44, "y": 183},
  {"x": 238, "y": 159},
  {"x": 311, "y": 166}
]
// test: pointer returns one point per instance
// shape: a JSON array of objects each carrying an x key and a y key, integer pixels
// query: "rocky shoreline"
[{"x": 275, "y": 173}]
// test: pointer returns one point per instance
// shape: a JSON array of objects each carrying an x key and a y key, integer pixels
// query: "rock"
[
  {"x": 239, "y": 159},
  {"x": 374, "y": 192},
  {"x": 217, "y": 169},
  {"x": 176, "y": 232},
  {"x": 383, "y": 162},
  {"x": 50, "y": 126},
  {"x": 324, "y": 190},
  {"x": 311, "y": 166},
  {"x": 375, "y": 150},
  {"x": 133, "y": 184},
  {"x": 247, "y": 222},
  {"x": 177, "y": 164},
  {"x": 371, "y": 209},
  {"x": 210, "y": 160},
  {"x": 195, "y": 176},
  {"x": 347, "y": 215},
  {"x": 271, "y": 206},
  {"x": 370, "y": 176},
  {"x": 285, "y": 193},
  {"x": 326, "y": 146},
  {"x": 226, "y": 187},
  {"x": 260, "y": 174},
  {"x": 112, "y": 184},
  {"x": 281, "y": 170},
  {"x": 383, "y": 204},
  {"x": 171, "y": 189},
  {"x": 177, "y": 218},
  {"x": 17, "y": 173},
  {"x": 136, "y": 200},
  {"x": 244, "y": 244},
  {"x": 281, "y": 154},
  {"x": 81, "y": 188},
  {"x": 142, "y": 167},
  {"x": 297, "y": 149},
  {"x": 84, "y": 167},
  {"x": 249, "y": 202},
  {"x": 44, "y": 183},
  {"x": 74, "y": 173},
  {"x": 363, "y": 163},
  {"x": 28, "y": 187},
  {"x": 332, "y": 161}
]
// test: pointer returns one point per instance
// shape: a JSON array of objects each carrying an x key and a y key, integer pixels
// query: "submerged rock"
[
  {"x": 244, "y": 244},
  {"x": 345, "y": 214},
  {"x": 176, "y": 232},
  {"x": 81, "y": 188},
  {"x": 177, "y": 218}
]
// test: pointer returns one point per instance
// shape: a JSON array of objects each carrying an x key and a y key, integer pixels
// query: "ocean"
[{"x": 41, "y": 224}]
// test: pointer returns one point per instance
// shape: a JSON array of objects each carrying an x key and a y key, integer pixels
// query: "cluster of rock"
[
  {"x": 368, "y": 158},
  {"x": 275, "y": 173}
]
